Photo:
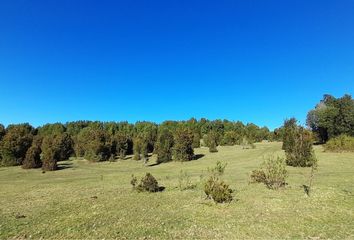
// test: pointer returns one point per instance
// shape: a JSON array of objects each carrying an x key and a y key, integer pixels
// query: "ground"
[{"x": 95, "y": 200}]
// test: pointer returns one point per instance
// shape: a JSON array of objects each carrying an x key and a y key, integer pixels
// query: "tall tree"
[
  {"x": 33, "y": 155},
  {"x": 50, "y": 152},
  {"x": 15, "y": 143},
  {"x": 95, "y": 144},
  {"x": 183, "y": 147},
  {"x": 164, "y": 146}
]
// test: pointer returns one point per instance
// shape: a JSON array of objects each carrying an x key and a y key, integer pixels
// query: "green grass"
[{"x": 60, "y": 205}]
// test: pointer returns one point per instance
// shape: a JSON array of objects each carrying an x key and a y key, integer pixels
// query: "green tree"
[
  {"x": 183, "y": 147},
  {"x": 196, "y": 140},
  {"x": 332, "y": 117},
  {"x": 212, "y": 139},
  {"x": 95, "y": 144},
  {"x": 2, "y": 131},
  {"x": 15, "y": 143},
  {"x": 300, "y": 152},
  {"x": 50, "y": 152},
  {"x": 51, "y": 129},
  {"x": 33, "y": 155},
  {"x": 120, "y": 144},
  {"x": 137, "y": 146},
  {"x": 164, "y": 146},
  {"x": 290, "y": 127}
]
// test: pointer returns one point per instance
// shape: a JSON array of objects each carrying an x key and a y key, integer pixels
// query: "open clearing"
[{"x": 95, "y": 200}]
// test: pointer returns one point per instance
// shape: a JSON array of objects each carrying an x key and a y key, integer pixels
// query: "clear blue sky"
[{"x": 254, "y": 61}]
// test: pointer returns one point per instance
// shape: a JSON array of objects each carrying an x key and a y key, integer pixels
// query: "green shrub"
[
  {"x": 273, "y": 173},
  {"x": 300, "y": 153},
  {"x": 289, "y": 130},
  {"x": 211, "y": 141},
  {"x": 184, "y": 181},
  {"x": 247, "y": 143},
  {"x": 196, "y": 140},
  {"x": 137, "y": 148},
  {"x": 258, "y": 176},
  {"x": 219, "y": 169},
  {"x": 342, "y": 143},
  {"x": 218, "y": 190},
  {"x": 133, "y": 181},
  {"x": 147, "y": 184}
]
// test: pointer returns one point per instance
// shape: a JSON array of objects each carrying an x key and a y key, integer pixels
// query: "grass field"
[{"x": 85, "y": 200}]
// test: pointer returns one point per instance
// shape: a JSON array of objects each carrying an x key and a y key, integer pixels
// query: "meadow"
[{"x": 96, "y": 200}]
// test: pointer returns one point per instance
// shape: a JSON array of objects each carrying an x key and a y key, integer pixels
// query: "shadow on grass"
[
  {"x": 154, "y": 164},
  {"x": 63, "y": 166},
  {"x": 198, "y": 156}
]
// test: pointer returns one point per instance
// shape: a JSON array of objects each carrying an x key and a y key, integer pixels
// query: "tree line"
[
  {"x": 22, "y": 144},
  {"x": 332, "y": 117}
]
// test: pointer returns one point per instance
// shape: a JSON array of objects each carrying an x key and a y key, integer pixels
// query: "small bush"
[
  {"x": 342, "y": 143},
  {"x": 219, "y": 169},
  {"x": 247, "y": 144},
  {"x": 273, "y": 173},
  {"x": 258, "y": 176},
  {"x": 147, "y": 184},
  {"x": 133, "y": 181},
  {"x": 217, "y": 190},
  {"x": 184, "y": 181}
]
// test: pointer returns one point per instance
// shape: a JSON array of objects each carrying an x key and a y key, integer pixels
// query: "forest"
[{"x": 44, "y": 146}]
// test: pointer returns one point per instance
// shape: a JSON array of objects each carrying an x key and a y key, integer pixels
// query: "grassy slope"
[{"x": 60, "y": 204}]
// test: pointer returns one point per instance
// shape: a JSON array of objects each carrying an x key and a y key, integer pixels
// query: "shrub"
[
  {"x": 300, "y": 153},
  {"x": 137, "y": 142},
  {"x": 219, "y": 169},
  {"x": 217, "y": 190},
  {"x": 247, "y": 144},
  {"x": 184, "y": 181},
  {"x": 147, "y": 184},
  {"x": 164, "y": 146},
  {"x": 258, "y": 176},
  {"x": 273, "y": 173},
  {"x": 211, "y": 141},
  {"x": 33, "y": 155},
  {"x": 342, "y": 143},
  {"x": 183, "y": 148},
  {"x": 133, "y": 181}
]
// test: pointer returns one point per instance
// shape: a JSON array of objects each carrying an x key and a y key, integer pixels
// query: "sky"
[{"x": 253, "y": 61}]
